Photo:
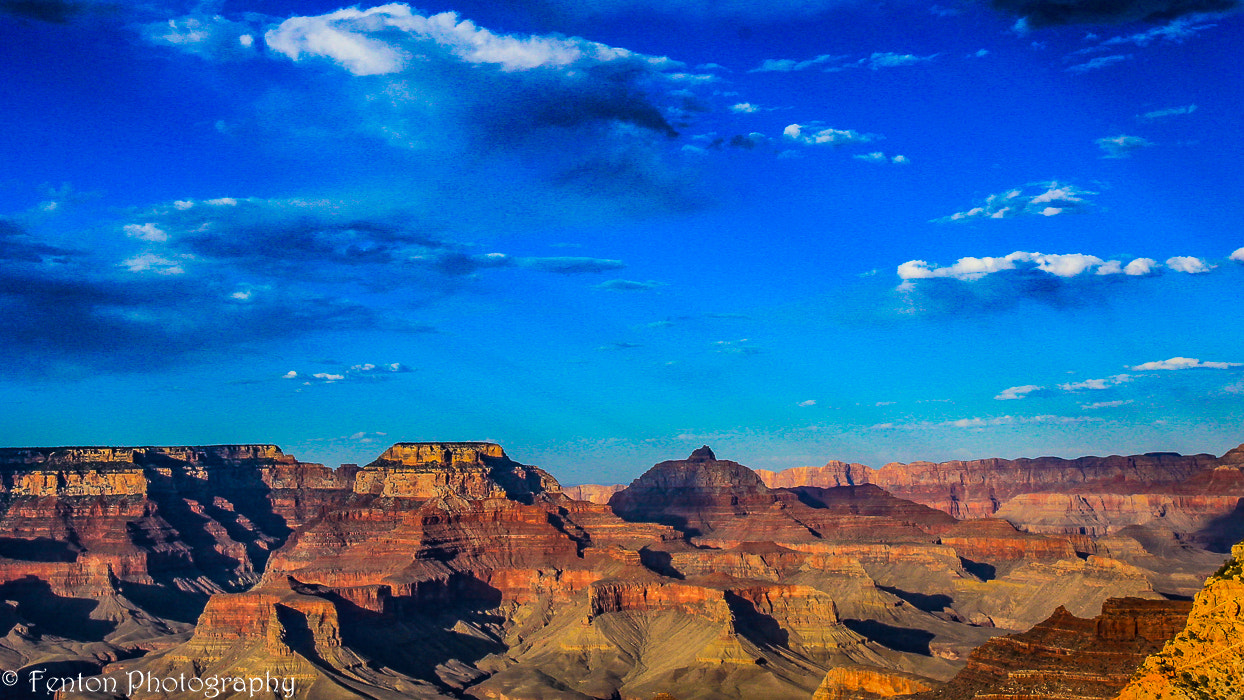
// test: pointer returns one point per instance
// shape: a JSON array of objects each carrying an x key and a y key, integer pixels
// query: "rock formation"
[
  {"x": 1206, "y": 659},
  {"x": 1162, "y": 512},
  {"x": 1067, "y": 656},
  {"x": 449, "y": 570}
]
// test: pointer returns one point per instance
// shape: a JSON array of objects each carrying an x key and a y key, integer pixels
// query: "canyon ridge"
[{"x": 449, "y": 570}]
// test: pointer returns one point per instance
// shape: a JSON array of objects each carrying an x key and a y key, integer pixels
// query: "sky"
[{"x": 605, "y": 232}]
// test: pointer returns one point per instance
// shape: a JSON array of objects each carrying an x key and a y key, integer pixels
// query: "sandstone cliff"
[
  {"x": 1067, "y": 656},
  {"x": 1205, "y": 661},
  {"x": 446, "y": 570}
]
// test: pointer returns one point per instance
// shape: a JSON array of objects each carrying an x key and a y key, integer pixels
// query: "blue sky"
[{"x": 604, "y": 233}]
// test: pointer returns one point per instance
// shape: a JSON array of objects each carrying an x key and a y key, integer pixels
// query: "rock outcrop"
[
  {"x": 867, "y": 683},
  {"x": 1067, "y": 656},
  {"x": 449, "y": 570},
  {"x": 1197, "y": 498},
  {"x": 1206, "y": 659}
]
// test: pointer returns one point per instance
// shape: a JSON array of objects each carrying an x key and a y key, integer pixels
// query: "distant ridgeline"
[{"x": 448, "y": 570}]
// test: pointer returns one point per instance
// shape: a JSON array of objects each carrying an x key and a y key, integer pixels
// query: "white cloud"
[
  {"x": 374, "y": 369},
  {"x": 1175, "y": 32},
  {"x": 209, "y": 36},
  {"x": 1140, "y": 266},
  {"x": 744, "y": 108},
  {"x": 893, "y": 60},
  {"x": 327, "y": 377},
  {"x": 809, "y": 402},
  {"x": 1238, "y": 255},
  {"x": 786, "y": 65},
  {"x": 1188, "y": 264},
  {"x": 881, "y": 159},
  {"x": 1017, "y": 392},
  {"x": 620, "y": 285},
  {"x": 1096, "y": 63},
  {"x": 1096, "y": 384},
  {"x": 1105, "y": 404},
  {"x": 970, "y": 268},
  {"x": 146, "y": 232},
  {"x": 1168, "y": 112},
  {"x": 1012, "y": 420},
  {"x": 1176, "y": 363},
  {"x": 1121, "y": 146},
  {"x": 387, "y": 39},
  {"x": 832, "y": 137},
  {"x": 158, "y": 264},
  {"x": 1052, "y": 199},
  {"x": 290, "y": 375}
]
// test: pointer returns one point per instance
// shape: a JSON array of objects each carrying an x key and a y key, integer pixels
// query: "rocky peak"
[
  {"x": 1233, "y": 456},
  {"x": 702, "y": 470},
  {"x": 704, "y": 454}
]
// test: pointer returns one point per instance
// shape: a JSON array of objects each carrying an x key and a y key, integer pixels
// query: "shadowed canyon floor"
[{"x": 448, "y": 570}]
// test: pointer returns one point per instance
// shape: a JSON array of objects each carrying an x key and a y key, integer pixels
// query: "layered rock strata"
[
  {"x": 1067, "y": 656},
  {"x": 1206, "y": 659}
]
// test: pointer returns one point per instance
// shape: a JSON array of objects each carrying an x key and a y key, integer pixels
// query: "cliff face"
[
  {"x": 446, "y": 570},
  {"x": 1068, "y": 656},
  {"x": 1198, "y": 498},
  {"x": 1206, "y": 659},
  {"x": 463, "y": 469}
]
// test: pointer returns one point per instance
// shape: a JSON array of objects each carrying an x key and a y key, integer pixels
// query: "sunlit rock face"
[
  {"x": 1190, "y": 496},
  {"x": 449, "y": 570},
  {"x": 1205, "y": 659},
  {"x": 1069, "y": 656},
  {"x": 424, "y": 470}
]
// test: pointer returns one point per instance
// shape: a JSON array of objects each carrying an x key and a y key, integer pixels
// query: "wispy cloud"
[
  {"x": 833, "y": 63},
  {"x": 1098, "y": 63},
  {"x": 1164, "y": 113},
  {"x": 743, "y": 346},
  {"x": 1096, "y": 384},
  {"x": 208, "y": 36},
  {"x": 1105, "y": 404},
  {"x": 815, "y": 135},
  {"x": 620, "y": 285},
  {"x": 1041, "y": 199},
  {"x": 881, "y": 158},
  {"x": 1177, "y": 31},
  {"x": 980, "y": 423},
  {"x": 889, "y": 59},
  {"x": 787, "y": 65},
  {"x": 1178, "y": 363},
  {"x": 1018, "y": 392},
  {"x": 360, "y": 372},
  {"x": 1121, "y": 146}
]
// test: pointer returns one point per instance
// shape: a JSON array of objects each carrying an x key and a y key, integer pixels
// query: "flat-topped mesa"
[
  {"x": 441, "y": 453},
  {"x": 126, "y": 471},
  {"x": 472, "y": 470},
  {"x": 13, "y": 458}
]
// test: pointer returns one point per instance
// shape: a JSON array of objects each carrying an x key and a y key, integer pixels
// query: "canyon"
[{"x": 449, "y": 570}]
